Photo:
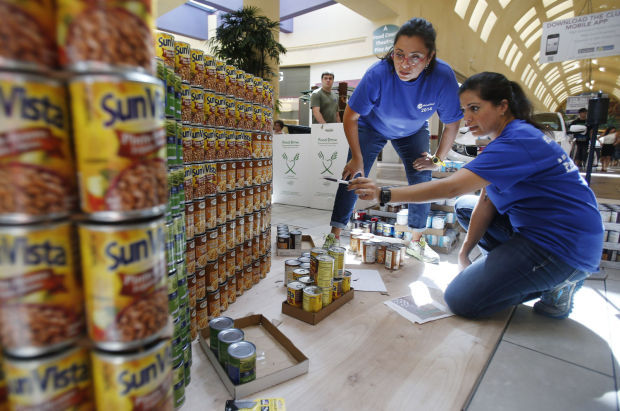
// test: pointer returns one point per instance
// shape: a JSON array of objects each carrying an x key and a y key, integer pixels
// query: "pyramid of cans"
[
  {"x": 83, "y": 301},
  {"x": 219, "y": 158},
  {"x": 317, "y": 277}
]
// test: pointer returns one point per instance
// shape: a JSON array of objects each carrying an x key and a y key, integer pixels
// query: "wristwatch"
[
  {"x": 437, "y": 161},
  {"x": 385, "y": 196}
]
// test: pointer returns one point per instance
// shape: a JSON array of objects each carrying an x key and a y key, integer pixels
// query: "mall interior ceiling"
[{"x": 491, "y": 35}]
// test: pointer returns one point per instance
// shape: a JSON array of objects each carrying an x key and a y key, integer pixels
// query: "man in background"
[
  {"x": 580, "y": 140},
  {"x": 323, "y": 102}
]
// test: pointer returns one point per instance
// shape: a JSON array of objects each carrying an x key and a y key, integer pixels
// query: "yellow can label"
[
  {"x": 139, "y": 382},
  {"x": 79, "y": 43},
  {"x": 120, "y": 142},
  {"x": 40, "y": 288},
  {"x": 56, "y": 383},
  {"x": 4, "y": 393},
  {"x": 165, "y": 48},
  {"x": 33, "y": 25},
  {"x": 36, "y": 164},
  {"x": 125, "y": 281}
]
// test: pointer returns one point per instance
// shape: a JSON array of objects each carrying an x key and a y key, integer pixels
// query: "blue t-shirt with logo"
[
  {"x": 537, "y": 185},
  {"x": 397, "y": 108}
]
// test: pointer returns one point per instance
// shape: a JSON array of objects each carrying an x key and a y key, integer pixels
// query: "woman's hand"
[
  {"x": 463, "y": 258},
  {"x": 365, "y": 188},
  {"x": 424, "y": 162},
  {"x": 352, "y": 168}
]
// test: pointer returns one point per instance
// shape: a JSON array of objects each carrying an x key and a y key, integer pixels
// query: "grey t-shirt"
[{"x": 327, "y": 103}]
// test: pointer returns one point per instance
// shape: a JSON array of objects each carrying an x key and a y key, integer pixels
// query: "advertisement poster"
[
  {"x": 291, "y": 164},
  {"x": 581, "y": 37},
  {"x": 329, "y": 156}
]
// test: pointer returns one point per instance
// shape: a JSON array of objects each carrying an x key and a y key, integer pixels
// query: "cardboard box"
[
  {"x": 307, "y": 244},
  {"x": 315, "y": 318},
  {"x": 446, "y": 208},
  {"x": 283, "y": 361}
]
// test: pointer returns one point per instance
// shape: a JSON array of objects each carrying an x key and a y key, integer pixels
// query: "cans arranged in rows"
[{"x": 236, "y": 356}]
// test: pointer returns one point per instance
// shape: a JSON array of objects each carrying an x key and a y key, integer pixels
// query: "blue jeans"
[
  {"x": 511, "y": 270},
  {"x": 408, "y": 148}
]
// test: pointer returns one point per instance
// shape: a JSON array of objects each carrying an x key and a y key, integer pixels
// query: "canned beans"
[
  {"x": 165, "y": 48},
  {"x": 120, "y": 145},
  {"x": 28, "y": 35},
  {"x": 182, "y": 64},
  {"x": 105, "y": 36},
  {"x": 139, "y": 381},
  {"x": 36, "y": 163},
  {"x": 41, "y": 307},
  {"x": 57, "y": 382},
  {"x": 124, "y": 271}
]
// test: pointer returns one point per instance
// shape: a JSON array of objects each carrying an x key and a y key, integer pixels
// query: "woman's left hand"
[
  {"x": 365, "y": 188},
  {"x": 424, "y": 162}
]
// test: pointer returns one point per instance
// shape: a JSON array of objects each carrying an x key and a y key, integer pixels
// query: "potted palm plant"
[{"x": 246, "y": 40}]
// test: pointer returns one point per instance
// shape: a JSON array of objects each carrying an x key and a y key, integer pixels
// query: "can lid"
[
  {"x": 231, "y": 335},
  {"x": 296, "y": 285},
  {"x": 221, "y": 323},
  {"x": 242, "y": 349}
]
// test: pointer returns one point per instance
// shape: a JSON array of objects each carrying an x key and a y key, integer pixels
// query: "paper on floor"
[
  {"x": 366, "y": 280},
  {"x": 425, "y": 303}
]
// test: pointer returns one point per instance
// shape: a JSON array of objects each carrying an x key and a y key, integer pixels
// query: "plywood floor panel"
[{"x": 365, "y": 356}]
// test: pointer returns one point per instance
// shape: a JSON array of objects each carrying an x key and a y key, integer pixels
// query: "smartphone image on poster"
[{"x": 553, "y": 42}]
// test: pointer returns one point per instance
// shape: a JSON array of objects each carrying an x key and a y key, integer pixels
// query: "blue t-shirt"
[
  {"x": 397, "y": 108},
  {"x": 535, "y": 182}
]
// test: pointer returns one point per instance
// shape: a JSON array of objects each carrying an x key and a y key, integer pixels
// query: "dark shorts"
[
  {"x": 582, "y": 150},
  {"x": 607, "y": 150}
]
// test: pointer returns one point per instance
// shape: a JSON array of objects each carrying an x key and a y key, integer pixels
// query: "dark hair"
[
  {"x": 327, "y": 73},
  {"x": 583, "y": 110},
  {"x": 608, "y": 130},
  {"x": 495, "y": 87},
  {"x": 280, "y": 122},
  {"x": 419, "y": 27}
]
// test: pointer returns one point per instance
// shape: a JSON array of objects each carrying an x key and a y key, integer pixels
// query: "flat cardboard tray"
[
  {"x": 279, "y": 360},
  {"x": 315, "y": 318},
  {"x": 307, "y": 244}
]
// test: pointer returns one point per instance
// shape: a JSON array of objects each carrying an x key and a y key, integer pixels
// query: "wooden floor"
[{"x": 365, "y": 356}]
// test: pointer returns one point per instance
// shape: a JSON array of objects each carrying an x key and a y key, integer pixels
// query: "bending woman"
[
  {"x": 393, "y": 101},
  {"x": 536, "y": 220}
]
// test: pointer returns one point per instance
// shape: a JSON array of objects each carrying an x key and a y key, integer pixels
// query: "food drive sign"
[{"x": 383, "y": 38}]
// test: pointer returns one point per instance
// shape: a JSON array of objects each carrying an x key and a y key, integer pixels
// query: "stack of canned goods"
[
  {"x": 610, "y": 213},
  {"x": 219, "y": 156},
  {"x": 114, "y": 281},
  {"x": 287, "y": 239},
  {"x": 236, "y": 356},
  {"x": 373, "y": 250},
  {"x": 316, "y": 278}
]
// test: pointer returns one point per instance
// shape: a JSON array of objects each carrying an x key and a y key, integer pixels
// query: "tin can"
[
  {"x": 165, "y": 48},
  {"x": 187, "y": 143},
  {"x": 209, "y": 142},
  {"x": 213, "y": 299},
  {"x": 202, "y": 313},
  {"x": 212, "y": 244},
  {"x": 193, "y": 329},
  {"x": 69, "y": 380},
  {"x": 381, "y": 247},
  {"x": 217, "y": 325},
  {"x": 242, "y": 362},
  {"x": 232, "y": 288},
  {"x": 221, "y": 239},
  {"x": 346, "y": 281},
  {"x": 124, "y": 272},
  {"x": 290, "y": 266},
  {"x": 239, "y": 255},
  {"x": 36, "y": 167},
  {"x": 120, "y": 382},
  {"x": 195, "y": 212},
  {"x": 212, "y": 275},
  {"x": 224, "y": 339},
  {"x": 198, "y": 114},
  {"x": 191, "y": 285},
  {"x": 223, "y": 296},
  {"x": 198, "y": 142},
  {"x": 312, "y": 299},
  {"x": 392, "y": 258},
  {"x": 369, "y": 252},
  {"x": 239, "y": 276},
  {"x": 300, "y": 272},
  {"x": 201, "y": 283},
  {"x": 247, "y": 276},
  {"x": 85, "y": 47},
  {"x": 121, "y": 159},
  {"x": 210, "y": 212},
  {"x": 294, "y": 293},
  {"x": 197, "y": 67},
  {"x": 210, "y": 72},
  {"x": 337, "y": 289},
  {"x": 306, "y": 280},
  {"x": 222, "y": 272},
  {"x": 183, "y": 60},
  {"x": 41, "y": 303},
  {"x": 338, "y": 254}
]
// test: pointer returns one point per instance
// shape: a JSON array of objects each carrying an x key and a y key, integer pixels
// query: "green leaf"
[
  {"x": 321, "y": 155},
  {"x": 334, "y": 155}
]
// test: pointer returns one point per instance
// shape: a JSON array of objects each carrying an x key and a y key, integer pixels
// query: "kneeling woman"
[{"x": 535, "y": 220}]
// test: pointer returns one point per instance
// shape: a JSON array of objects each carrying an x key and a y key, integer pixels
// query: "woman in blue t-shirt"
[
  {"x": 393, "y": 101},
  {"x": 536, "y": 220}
]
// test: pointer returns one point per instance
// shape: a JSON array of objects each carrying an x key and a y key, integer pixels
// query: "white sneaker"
[
  {"x": 330, "y": 241},
  {"x": 422, "y": 251}
]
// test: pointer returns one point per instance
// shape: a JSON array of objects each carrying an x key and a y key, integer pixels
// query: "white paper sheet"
[
  {"x": 366, "y": 280},
  {"x": 420, "y": 314}
]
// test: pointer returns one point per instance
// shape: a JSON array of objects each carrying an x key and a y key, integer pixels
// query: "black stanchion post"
[{"x": 597, "y": 114}]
